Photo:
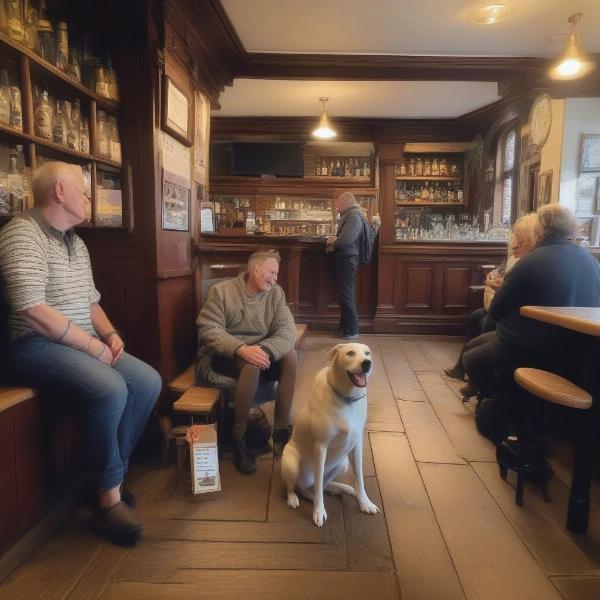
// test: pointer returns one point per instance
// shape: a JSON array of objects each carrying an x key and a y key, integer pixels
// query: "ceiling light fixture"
[
  {"x": 574, "y": 62},
  {"x": 491, "y": 14},
  {"x": 324, "y": 130}
]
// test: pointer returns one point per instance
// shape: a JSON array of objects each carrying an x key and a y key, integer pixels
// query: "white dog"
[{"x": 328, "y": 430}]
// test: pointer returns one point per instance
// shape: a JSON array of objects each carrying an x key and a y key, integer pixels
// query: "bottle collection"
[
  {"x": 108, "y": 143},
  {"x": 28, "y": 23},
  {"x": 15, "y": 180},
  {"x": 424, "y": 166},
  {"x": 425, "y": 225},
  {"x": 11, "y": 111},
  {"x": 343, "y": 166},
  {"x": 429, "y": 192}
]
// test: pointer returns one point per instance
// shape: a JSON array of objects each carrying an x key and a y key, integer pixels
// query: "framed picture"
[
  {"x": 175, "y": 204},
  {"x": 589, "y": 156},
  {"x": 544, "y": 188},
  {"x": 176, "y": 113},
  {"x": 201, "y": 138},
  {"x": 597, "y": 196}
]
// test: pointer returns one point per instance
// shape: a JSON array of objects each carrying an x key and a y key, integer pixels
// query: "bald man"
[
  {"x": 347, "y": 252},
  {"x": 63, "y": 343}
]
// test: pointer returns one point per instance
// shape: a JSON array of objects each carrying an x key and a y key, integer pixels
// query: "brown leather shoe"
[{"x": 118, "y": 523}]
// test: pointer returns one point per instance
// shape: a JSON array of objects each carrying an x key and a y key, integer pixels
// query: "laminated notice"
[{"x": 204, "y": 458}]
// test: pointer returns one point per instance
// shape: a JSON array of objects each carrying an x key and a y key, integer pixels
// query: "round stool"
[{"x": 553, "y": 388}]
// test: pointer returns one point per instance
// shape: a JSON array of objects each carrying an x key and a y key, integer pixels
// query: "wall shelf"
[
  {"x": 426, "y": 178},
  {"x": 423, "y": 204}
]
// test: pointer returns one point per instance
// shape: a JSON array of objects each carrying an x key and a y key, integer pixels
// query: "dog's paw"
[
  {"x": 319, "y": 516},
  {"x": 292, "y": 500},
  {"x": 367, "y": 506}
]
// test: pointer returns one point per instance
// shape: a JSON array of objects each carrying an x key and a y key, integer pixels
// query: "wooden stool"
[
  {"x": 558, "y": 390},
  {"x": 197, "y": 401}
]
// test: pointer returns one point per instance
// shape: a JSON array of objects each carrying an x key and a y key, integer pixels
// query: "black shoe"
[
  {"x": 127, "y": 496},
  {"x": 468, "y": 391},
  {"x": 280, "y": 438},
  {"x": 243, "y": 457},
  {"x": 456, "y": 372},
  {"x": 527, "y": 461},
  {"x": 118, "y": 523}
]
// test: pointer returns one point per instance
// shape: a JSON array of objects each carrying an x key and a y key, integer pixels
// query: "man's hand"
[
  {"x": 254, "y": 355},
  {"x": 330, "y": 241},
  {"x": 116, "y": 345}
]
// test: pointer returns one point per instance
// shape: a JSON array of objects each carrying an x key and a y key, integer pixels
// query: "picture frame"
[
  {"x": 544, "y": 188},
  {"x": 201, "y": 138},
  {"x": 597, "y": 195},
  {"x": 175, "y": 204},
  {"x": 177, "y": 118},
  {"x": 589, "y": 153}
]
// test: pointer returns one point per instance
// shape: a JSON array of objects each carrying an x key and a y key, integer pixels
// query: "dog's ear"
[{"x": 332, "y": 354}]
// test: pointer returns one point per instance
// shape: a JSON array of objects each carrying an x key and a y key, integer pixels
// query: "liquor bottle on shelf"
[
  {"x": 62, "y": 46},
  {"x": 338, "y": 169},
  {"x": 403, "y": 169},
  {"x": 31, "y": 19},
  {"x": 427, "y": 167},
  {"x": 435, "y": 167},
  {"x": 411, "y": 167},
  {"x": 102, "y": 141},
  {"x": 454, "y": 172},
  {"x": 114, "y": 140},
  {"x": 84, "y": 136},
  {"x": 72, "y": 131},
  {"x": 443, "y": 168},
  {"x": 367, "y": 168},
  {"x": 59, "y": 131},
  {"x": 356, "y": 167},
  {"x": 460, "y": 193},
  {"x": 111, "y": 78},
  {"x": 46, "y": 43},
  {"x": 324, "y": 169},
  {"x": 4, "y": 97},
  {"x": 16, "y": 111},
  {"x": 73, "y": 69},
  {"x": 76, "y": 121},
  {"x": 450, "y": 192},
  {"x": 16, "y": 27},
  {"x": 425, "y": 195},
  {"x": 15, "y": 182},
  {"x": 419, "y": 167},
  {"x": 43, "y": 117},
  {"x": 102, "y": 85}
]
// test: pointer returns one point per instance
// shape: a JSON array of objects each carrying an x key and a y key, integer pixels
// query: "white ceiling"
[
  {"x": 426, "y": 27},
  {"x": 391, "y": 99}
]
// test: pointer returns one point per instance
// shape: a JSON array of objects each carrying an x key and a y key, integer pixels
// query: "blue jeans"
[
  {"x": 346, "y": 268},
  {"x": 117, "y": 400}
]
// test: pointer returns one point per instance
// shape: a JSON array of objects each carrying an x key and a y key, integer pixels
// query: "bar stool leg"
[
  {"x": 520, "y": 480},
  {"x": 579, "y": 500}
]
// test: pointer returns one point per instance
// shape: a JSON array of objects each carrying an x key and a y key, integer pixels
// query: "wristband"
[
  {"x": 62, "y": 337},
  {"x": 101, "y": 352}
]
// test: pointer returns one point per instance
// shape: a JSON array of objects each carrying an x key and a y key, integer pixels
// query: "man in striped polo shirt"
[{"x": 63, "y": 342}]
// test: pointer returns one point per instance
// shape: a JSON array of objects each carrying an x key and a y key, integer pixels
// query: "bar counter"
[{"x": 410, "y": 287}]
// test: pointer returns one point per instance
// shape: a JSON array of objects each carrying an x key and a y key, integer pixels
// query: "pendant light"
[
  {"x": 574, "y": 62},
  {"x": 324, "y": 130}
]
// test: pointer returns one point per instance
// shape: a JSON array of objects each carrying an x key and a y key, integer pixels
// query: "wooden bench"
[{"x": 199, "y": 401}]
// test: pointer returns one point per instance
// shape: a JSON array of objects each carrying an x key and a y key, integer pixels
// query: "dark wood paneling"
[
  {"x": 8, "y": 489},
  {"x": 416, "y": 284},
  {"x": 455, "y": 290}
]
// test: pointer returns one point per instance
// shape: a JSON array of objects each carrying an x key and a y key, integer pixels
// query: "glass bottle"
[
  {"x": 356, "y": 168},
  {"x": 403, "y": 169},
  {"x": 31, "y": 19},
  {"x": 460, "y": 193},
  {"x": 72, "y": 131},
  {"x": 111, "y": 77},
  {"x": 425, "y": 196},
  {"x": 324, "y": 170},
  {"x": 115, "y": 141},
  {"x": 435, "y": 167},
  {"x": 367, "y": 168},
  {"x": 73, "y": 69},
  {"x": 15, "y": 182},
  {"x": 102, "y": 85},
  {"x": 102, "y": 142},
  {"x": 419, "y": 167},
  {"x": 443, "y": 168},
  {"x": 338, "y": 169},
  {"x": 411, "y": 167},
  {"x": 4, "y": 97},
  {"x": 43, "y": 117},
  {"x": 46, "y": 45},
  {"x": 16, "y": 111},
  {"x": 84, "y": 136},
  {"x": 427, "y": 168},
  {"x": 59, "y": 131},
  {"x": 450, "y": 192},
  {"x": 16, "y": 27},
  {"x": 62, "y": 46}
]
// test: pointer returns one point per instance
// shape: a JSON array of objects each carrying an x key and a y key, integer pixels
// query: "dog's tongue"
[{"x": 359, "y": 379}]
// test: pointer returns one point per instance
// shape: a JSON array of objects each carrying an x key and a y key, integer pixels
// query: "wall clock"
[{"x": 540, "y": 120}]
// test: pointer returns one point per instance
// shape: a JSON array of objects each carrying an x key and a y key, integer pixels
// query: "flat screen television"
[{"x": 279, "y": 159}]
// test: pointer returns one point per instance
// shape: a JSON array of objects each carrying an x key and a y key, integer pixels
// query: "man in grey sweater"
[
  {"x": 247, "y": 334},
  {"x": 347, "y": 252}
]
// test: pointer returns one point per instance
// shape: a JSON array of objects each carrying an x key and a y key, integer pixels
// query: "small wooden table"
[{"x": 584, "y": 320}]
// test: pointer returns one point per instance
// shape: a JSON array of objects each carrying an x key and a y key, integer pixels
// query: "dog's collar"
[{"x": 346, "y": 399}]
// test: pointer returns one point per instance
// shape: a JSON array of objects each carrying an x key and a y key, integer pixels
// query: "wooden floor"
[{"x": 449, "y": 528}]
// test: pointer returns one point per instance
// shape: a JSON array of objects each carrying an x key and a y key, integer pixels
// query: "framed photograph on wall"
[
  {"x": 544, "y": 188},
  {"x": 176, "y": 112},
  {"x": 589, "y": 155},
  {"x": 175, "y": 204}
]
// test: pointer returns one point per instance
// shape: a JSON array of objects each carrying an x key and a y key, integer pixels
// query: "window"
[{"x": 505, "y": 183}]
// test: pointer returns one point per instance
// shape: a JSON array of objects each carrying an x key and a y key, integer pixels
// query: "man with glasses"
[{"x": 62, "y": 342}]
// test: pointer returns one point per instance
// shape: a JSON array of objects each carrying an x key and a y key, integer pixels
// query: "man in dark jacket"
[
  {"x": 556, "y": 273},
  {"x": 347, "y": 251}
]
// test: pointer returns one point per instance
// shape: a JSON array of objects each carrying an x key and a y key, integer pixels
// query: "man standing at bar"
[
  {"x": 62, "y": 342},
  {"x": 246, "y": 335},
  {"x": 346, "y": 246}
]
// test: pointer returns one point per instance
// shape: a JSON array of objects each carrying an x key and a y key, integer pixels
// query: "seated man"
[
  {"x": 246, "y": 334},
  {"x": 62, "y": 341},
  {"x": 556, "y": 272}
]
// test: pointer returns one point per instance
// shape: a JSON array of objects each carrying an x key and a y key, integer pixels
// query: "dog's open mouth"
[{"x": 358, "y": 379}]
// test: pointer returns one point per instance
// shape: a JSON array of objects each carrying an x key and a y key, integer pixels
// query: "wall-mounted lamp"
[
  {"x": 574, "y": 62},
  {"x": 324, "y": 130}
]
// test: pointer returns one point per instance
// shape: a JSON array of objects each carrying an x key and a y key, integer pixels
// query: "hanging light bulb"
[
  {"x": 324, "y": 130},
  {"x": 574, "y": 62}
]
